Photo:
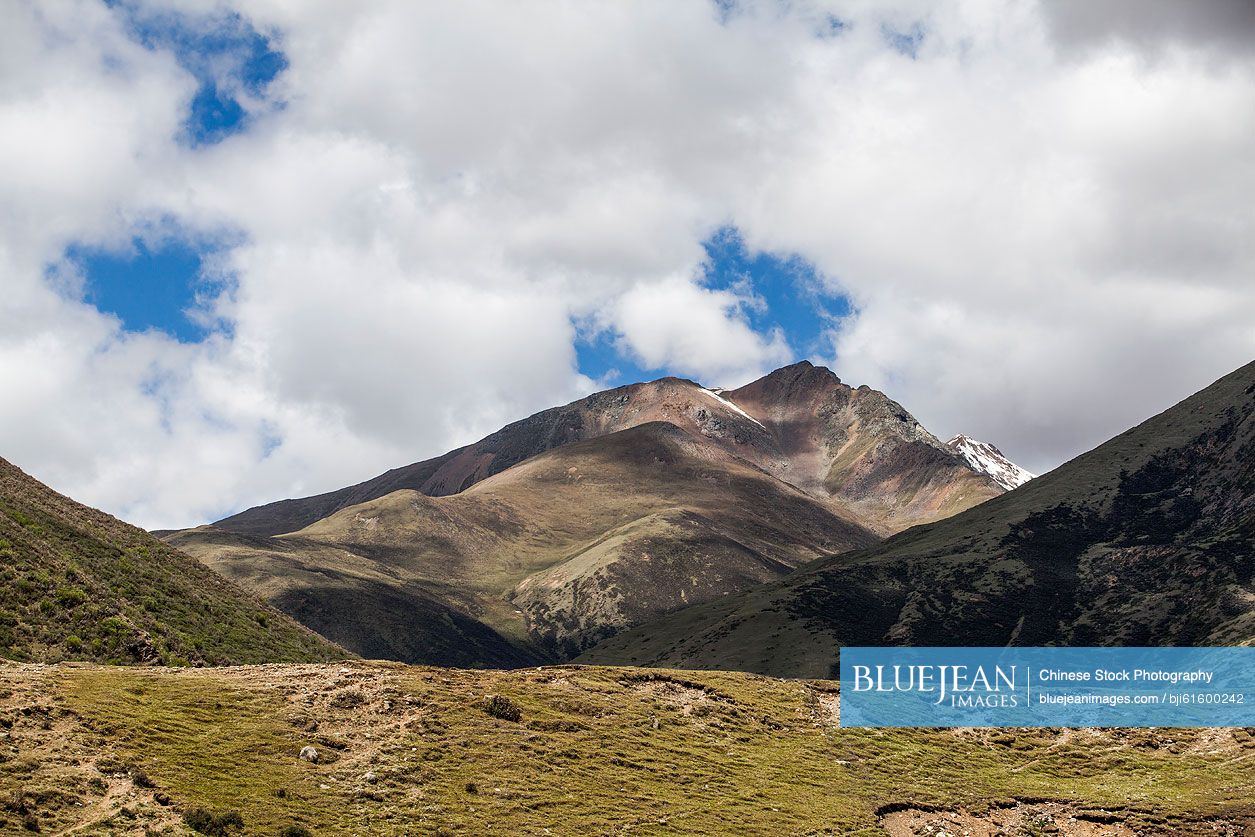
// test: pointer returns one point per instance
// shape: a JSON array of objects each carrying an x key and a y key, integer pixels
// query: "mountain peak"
[
  {"x": 988, "y": 460},
  {"x": 803, "y": 369},
  {"x": 788, "y": 384}
]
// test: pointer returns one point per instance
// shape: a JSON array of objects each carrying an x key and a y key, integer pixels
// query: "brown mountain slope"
[
  {"x": 81, "y": 585},
  {"x": 855, "y": 449},
  {"x": 1149, "y": 539},
  {"x": 554, "y": 553}
]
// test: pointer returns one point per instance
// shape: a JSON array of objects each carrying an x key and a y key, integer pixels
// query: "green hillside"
[{"x": 81, "y": 585}]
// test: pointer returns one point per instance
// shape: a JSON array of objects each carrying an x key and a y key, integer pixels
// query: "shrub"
[
  {"x": 202, "y": 821},
  {"x": 71, "y": 596},
  {"x": 500, "y": 706},
  {"x": 296, "y": 831}
]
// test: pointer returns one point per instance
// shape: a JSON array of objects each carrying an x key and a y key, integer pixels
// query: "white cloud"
[
  {"x": 1043, "y": 222},
  {"x": 695, "y": 331}
]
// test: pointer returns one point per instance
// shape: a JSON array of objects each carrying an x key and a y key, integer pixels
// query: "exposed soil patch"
[
  {"x": 825, "y": 707},
  {"x": 687, "y": 696},
  {"x": 1020, "y": 820}
]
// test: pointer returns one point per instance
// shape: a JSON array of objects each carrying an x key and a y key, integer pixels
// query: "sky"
[{"x": 259, "y": 250}]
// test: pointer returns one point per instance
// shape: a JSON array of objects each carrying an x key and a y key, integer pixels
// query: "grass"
[
  {"x": 77, "y": 584},
  {"x": 596, "y": 751}
]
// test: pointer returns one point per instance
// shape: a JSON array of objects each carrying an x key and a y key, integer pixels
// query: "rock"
[
  {"x": 370, "y": 777},
  {"x": 309, "y": 754}
]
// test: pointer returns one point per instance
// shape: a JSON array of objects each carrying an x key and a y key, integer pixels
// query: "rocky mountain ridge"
[{"x": 851, "y": 447}]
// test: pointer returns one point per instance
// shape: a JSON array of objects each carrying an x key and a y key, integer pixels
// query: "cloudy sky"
[{"x": 264, "y": 249}]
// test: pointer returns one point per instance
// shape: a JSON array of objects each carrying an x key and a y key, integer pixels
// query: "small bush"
[
  {"x": 296, "y": 831},
  {"x": 203, "y": 821},
  {"x": 471, "y": 787},
  {"x": 500, "y": 706}
]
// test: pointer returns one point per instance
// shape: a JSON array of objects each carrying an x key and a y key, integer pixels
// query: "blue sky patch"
[
  {"x": 227, "y": 56},
  {"x": 600, "y": 359},
  {"x": 787, "y": 293},
  {"x": 793, "y": 294},
  {"x": 150, "y": 286}
]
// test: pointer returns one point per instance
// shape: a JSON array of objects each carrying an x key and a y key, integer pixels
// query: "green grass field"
[{"x": 404, "y": 750}]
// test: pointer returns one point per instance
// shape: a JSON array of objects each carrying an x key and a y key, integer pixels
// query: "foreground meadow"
[{"x": 378, "y": 748}]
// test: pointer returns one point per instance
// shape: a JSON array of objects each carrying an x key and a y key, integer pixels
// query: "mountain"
[
  {"x": 558, "y": 530},
  {"x": 546, "y": 557},
  {"x": 988, "y": 460},
  {"x": 1148, "y": 539},
  {"x": 81, "y": 585},
  {"x": 851, "y": 447}
]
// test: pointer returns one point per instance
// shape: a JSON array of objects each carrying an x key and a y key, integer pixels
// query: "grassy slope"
[
  {"x": 1148, "y": 539},
  {"x": 598, "y": 751},
  {"x": 81, "y": 585}
]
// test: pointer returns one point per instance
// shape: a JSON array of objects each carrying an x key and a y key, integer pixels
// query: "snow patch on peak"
[
  {"x": 725, "y": 402},
  {"x": 988, "y": 460}
]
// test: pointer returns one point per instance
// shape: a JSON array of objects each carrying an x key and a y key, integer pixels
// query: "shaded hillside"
[
  {"x": 81, "y": 585},
  {"x": 855, "y": 449},
  {"x": 541, "y": 560},
  {"x": 358, "y": 603},
  {"x": 400, "y": 750},
  {"x": 1147, "y": 540}
]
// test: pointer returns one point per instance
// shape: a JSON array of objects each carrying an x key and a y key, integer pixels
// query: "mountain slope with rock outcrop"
[{"x": 1148, "y": 539}]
